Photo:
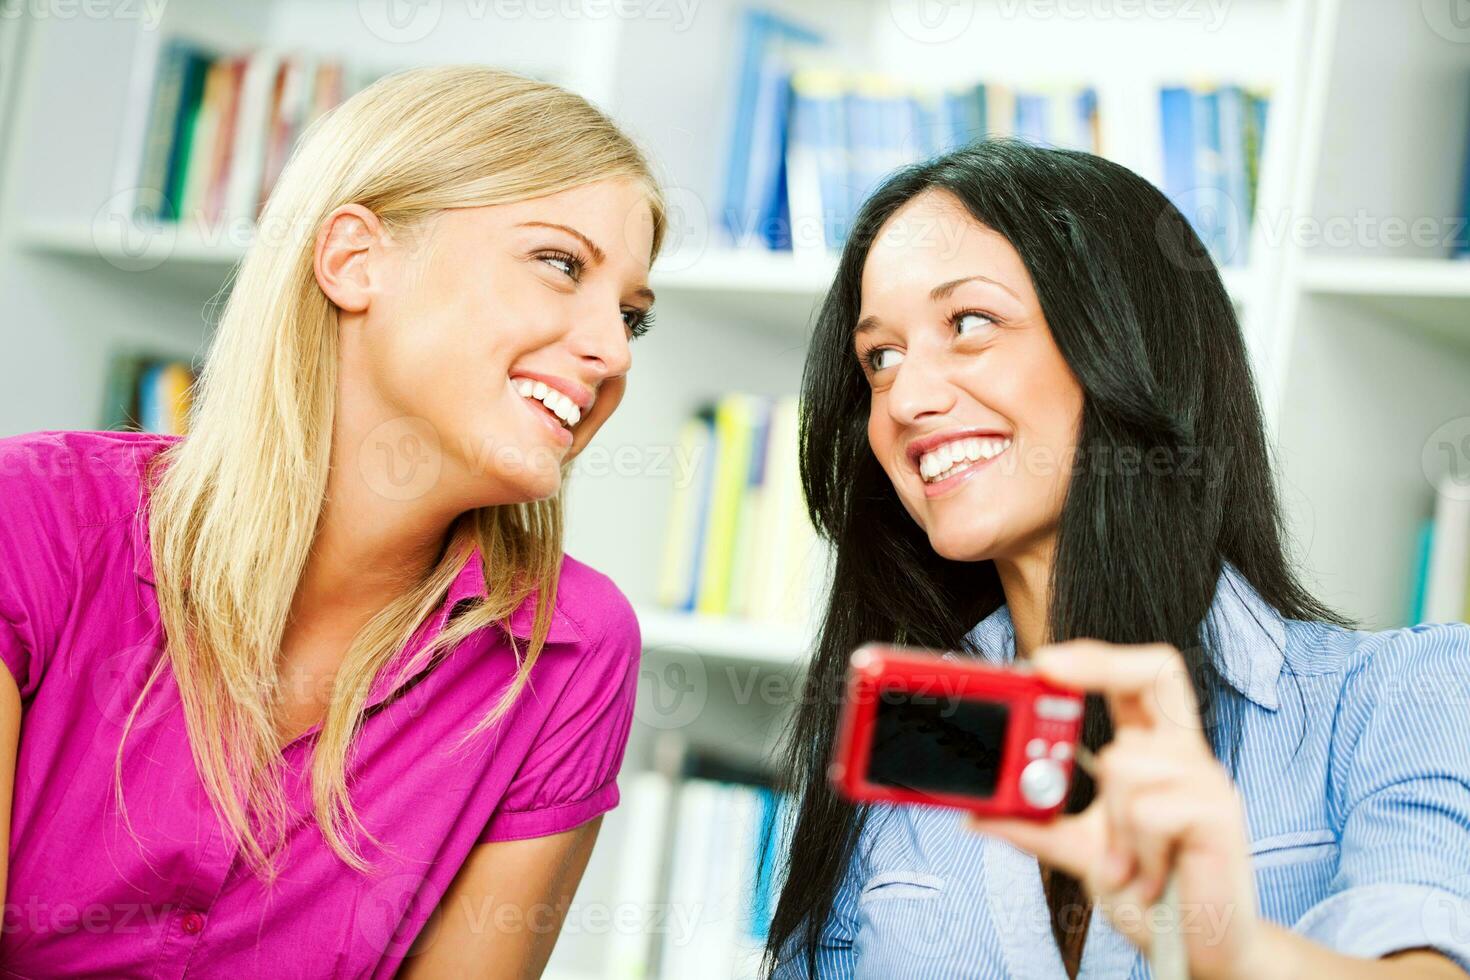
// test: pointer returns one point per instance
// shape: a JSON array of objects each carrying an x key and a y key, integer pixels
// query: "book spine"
[
  {"x": 183, "y": 136},
  {"x": 168, "y": 94},
  {"x": 1449, "y": 560}
]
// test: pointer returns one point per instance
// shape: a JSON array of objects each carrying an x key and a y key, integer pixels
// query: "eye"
[
  {"x": 565, "y": 262},
  {"x": 972, "y": 320},
  {"x": 638, "y": 322},
  {"x": 878, "y": 358}
]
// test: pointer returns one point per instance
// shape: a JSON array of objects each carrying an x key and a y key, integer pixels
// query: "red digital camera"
[{"x": 920, "y": 727}]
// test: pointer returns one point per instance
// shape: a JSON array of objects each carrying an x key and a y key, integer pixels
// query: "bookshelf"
[{"x": 1361, "y": 344}]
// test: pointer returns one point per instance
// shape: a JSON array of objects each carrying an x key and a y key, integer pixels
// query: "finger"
[
  {"x": 1068, "y": 843},
  {"x": 1129, "y": 769},
  {"x": 1144, "y": 684}
]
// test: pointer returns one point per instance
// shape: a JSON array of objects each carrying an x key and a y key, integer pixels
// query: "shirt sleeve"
[
  {"x": 1400, "y": 792},
  {"x": 37, "y": 554},
  {"x": 570, "y": 774}
]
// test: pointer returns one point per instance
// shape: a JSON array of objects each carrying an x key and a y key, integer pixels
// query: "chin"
[{"x": 961, "y": 543}]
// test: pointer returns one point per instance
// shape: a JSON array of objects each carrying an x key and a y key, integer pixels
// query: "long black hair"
[{"x": 1173, "y": 478}]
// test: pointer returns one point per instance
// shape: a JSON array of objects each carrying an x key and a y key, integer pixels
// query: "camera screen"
[{"x": 937, "y": 744}]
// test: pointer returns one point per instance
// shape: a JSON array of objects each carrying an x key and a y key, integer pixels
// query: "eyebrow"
[
  {"x": 945, "y": 288},
  {"x": 939, "y": 292},
  {"x": 598, "y": 255}
]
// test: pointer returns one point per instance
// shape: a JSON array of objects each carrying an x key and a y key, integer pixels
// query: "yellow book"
[
  {"x": 173, "y": 395},
  {"x": 733, "y": 431}
]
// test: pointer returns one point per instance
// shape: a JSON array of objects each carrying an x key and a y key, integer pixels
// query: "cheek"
[{"x": 609, "y": 396}]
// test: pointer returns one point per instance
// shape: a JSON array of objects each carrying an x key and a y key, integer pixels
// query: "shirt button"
[{"x": 193, "y": 922}]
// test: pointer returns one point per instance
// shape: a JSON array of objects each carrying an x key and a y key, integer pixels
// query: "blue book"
[
  {"x": 864, "y": 147},
  {"x": 954, "y": 120},
  {"x": 753, "y": 174},
  {"x": 150, "y": 404},
  {"x": 1209, "y": 174},
  {"x": 1031, "y": 110},
  {"x": 1235, "y": 199},
  {"x": 766, "y": 198},
  {"x": 768, "y": 848},
  {"x": 1176, "y": 112},
  {"x": 924, "y": 124},
  {"x": 817, "y": 174},
  {"x": 1460, "y": 247}
]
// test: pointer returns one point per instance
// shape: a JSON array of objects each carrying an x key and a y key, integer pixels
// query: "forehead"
[
  {"x": 934, "y": 239},
  {"x": 617, "y": 214}
]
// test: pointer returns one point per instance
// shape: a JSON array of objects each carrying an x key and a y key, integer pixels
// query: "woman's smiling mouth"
[{"x": 944, "y": 460}]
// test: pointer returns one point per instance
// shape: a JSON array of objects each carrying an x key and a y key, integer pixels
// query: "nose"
[
  {"x": 920, "y": 389},
  {"x": 601, "y": 346}
]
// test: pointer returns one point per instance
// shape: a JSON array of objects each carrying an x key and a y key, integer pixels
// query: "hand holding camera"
[{"x": 1164, "y": 806}]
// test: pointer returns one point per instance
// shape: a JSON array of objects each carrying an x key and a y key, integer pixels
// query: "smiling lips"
[
  {"x": 943, "y": 457},
  {"x": 560, "y": 403}
]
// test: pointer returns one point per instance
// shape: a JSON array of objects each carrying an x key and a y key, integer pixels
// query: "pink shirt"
[{"x": 79, "y": 629}]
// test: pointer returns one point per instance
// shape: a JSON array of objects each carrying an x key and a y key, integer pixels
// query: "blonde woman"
[{"x": 313, "y": 691}]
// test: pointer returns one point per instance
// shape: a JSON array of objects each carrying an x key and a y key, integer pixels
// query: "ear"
[{"x": 342, "y": 258}]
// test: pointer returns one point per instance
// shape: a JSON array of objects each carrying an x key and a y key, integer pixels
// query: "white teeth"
[
  {"x": 948, "y": 459},
  {"x": 559, "y": 405}
]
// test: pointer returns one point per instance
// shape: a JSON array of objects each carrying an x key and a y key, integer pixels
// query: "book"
[
  {"x": 739, "y": 541},
  {"x": 1448, "y": 578},
  {"x": 754, "y": 200},
  {"x": 734, "y": 435},
  {"x": 147, "y": 393},
  {"x": 702, "y": 852},
  {"x": 1212, "y": 140},
  {"x": 683, "y": 541},
  {"x": 206, "y": 135}
]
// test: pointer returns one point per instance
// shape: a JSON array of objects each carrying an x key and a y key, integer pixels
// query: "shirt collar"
[
  {"x": 1250, "y": 634},
  {"x": 469, "y": 583}
]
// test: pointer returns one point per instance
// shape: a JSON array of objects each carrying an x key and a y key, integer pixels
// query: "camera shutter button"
[{"x": 1043, "y": 783}]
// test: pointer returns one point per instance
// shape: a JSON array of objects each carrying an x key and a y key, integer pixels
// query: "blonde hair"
[{"x": 235, "y": 505}]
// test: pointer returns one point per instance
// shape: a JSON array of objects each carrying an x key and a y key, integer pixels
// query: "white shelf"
[
  {"x": 723, "y": 637},
  {"x": 774, "y": 287},
  {"x": 1431, "y": 295},
  {"x": 1409, "y": 278}
]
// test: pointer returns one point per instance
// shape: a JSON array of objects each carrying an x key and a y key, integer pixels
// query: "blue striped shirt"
[{"x": 1354, "y": 766}]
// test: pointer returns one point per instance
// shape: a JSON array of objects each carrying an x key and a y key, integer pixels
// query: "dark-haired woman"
[{"x": 1031, "y": 432}]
